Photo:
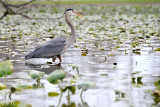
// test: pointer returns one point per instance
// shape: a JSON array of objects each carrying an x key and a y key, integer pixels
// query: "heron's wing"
[{"x": 49, "y": 49}]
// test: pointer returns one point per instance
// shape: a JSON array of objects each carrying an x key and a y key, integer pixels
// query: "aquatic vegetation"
[
  {"x": 53, "y": 94},
  {"x": 74, "y": 66},
  {"x": 2, "y": 86},
  {"x": 119, "y": 95},
  {"x": 158, "y": 49},
  {"x": 56, "y": 76},
  {"x": 6, "y": 68},
  {"x": 83, "y": 87},
  {"x": 71, "y": 89},
  {"x": 13, "y": 103},
  {"x": 156, "y": 93},
  {"x": 36, "y": 75},
  {"x": 18, "y": 88},
  {"x": 117, "y": 47}
]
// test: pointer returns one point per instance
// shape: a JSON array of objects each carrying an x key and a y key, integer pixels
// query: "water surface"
[{"x": 113, "y": 42}]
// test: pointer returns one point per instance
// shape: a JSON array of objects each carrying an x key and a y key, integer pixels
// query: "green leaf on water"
[
  {"x": 2, "y": 86},
  {"x": 72, "y": 89},
  {"x": 84, "y": 86},
  {"x": 1, "y": 73},
  {"x": 157, "y": 84},
  {"x": 53, "y": 94},
  {"x": 19, "y": 87},
  {"x": 137, "y": 72},
  {"x": 104, "y": 74},
  {"x": 36, "y": 74},
  {"x": 73, "y": 81},
  {"x": 63, "y": 89},
  {"x": 10, "y": 103},
  {"x": 55, "y": 76},
  {"x": 101, "y": 49},
  {"x": 158, "y": 49},
  {"x": 90, "y": 29},
  {"x": 134, "y": 44},
  {"x": 84, "y": 54},
  {"x": 6, "y": 67}
]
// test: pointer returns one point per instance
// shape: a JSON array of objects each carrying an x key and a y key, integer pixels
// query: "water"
[{"x": 111, "y": 46}]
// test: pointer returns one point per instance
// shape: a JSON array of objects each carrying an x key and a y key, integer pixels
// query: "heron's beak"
[{"x": 76, "y": 13}]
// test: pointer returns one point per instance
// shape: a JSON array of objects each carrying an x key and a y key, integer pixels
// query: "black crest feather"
[{"x": 68, "y": 10}]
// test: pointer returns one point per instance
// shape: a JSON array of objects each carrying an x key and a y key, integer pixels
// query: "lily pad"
[
  {"x": 72, "y": 89},
  {"x": 53, "y": 94},
  {"x": 11, "y": 103},
  {"x": 36, "y": 74},
  {"x": 23, "y": 87},
  {"x": 84, "y": 54},
  {"x": 2, "y": 86},
  {"x": 6, "y": 68},
  {"x": 158, "y": 49},
  {"x": 55, "y": 76},
  {"x": 137, "y": 72},
  {"x": 157, "y": 84},
  {"x": 84, "y": 86},
  {"x": 18, "y": 88}
]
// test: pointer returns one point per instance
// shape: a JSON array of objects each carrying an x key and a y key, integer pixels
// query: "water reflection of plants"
[
  {"x": 137, "y": 80},
  {"x": 119, "y": 95}
]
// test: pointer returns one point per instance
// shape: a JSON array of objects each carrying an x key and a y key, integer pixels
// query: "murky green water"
[{"x": 114, "y": 45}]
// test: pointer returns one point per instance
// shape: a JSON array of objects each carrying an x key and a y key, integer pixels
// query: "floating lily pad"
[
  {"x": 104, "y": 74},
  {"x": 84, "y": 86},
  {"x": 72, "y": 89},
  {"x": 55, "y": 76},
  {"x": 73, "y": 81},
  {"x": 6, "y": 68},
  {"x": 36, "y": 74},
  {"x": 158, "y": 49},
  {"x": 137, "y": 72},
  {"x": 19, "y": 87},
  {"x": 53, "y": 94},
  {"x": 10, "y": 103},
  {"x": 84, "y": 54},
  {"x": 157, "y": 84},
  {"x": 2, "y": 86}
]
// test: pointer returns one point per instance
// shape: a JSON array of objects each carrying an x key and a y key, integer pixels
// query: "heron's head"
[{"x": 72, "y": 11}]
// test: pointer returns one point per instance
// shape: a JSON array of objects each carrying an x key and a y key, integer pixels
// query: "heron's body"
[{"x": 55, "y": 47}]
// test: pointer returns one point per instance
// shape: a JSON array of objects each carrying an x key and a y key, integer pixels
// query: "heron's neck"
[{"x": 71, "y": 26}]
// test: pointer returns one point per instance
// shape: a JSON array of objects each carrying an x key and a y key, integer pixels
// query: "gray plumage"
[
  {"x": 49, "y": 49},
  {"x": 55, "y": 47}
]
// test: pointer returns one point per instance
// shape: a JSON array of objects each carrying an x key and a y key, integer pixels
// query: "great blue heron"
[{"x": 55, "y": 47}]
